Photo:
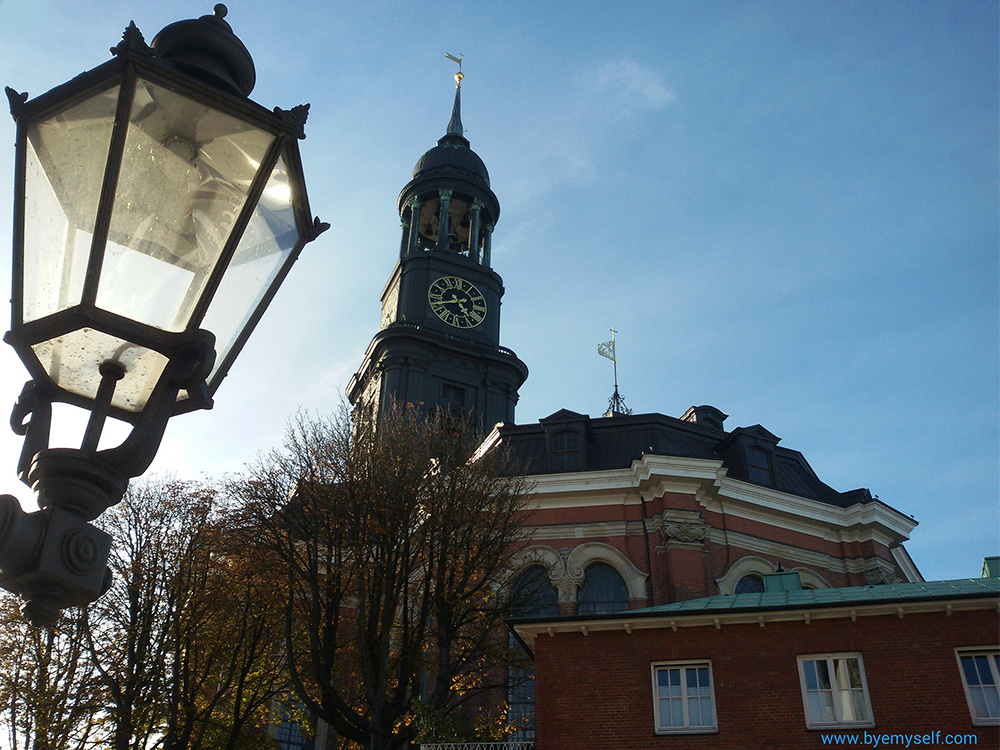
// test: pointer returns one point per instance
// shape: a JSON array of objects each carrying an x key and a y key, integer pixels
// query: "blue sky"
[{"x": 788, "y": 210}]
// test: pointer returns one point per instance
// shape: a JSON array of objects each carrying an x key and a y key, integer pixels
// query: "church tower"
[{"x": 438, "y": 344}]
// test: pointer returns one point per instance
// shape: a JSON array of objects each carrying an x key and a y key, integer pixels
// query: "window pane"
[
  {"x": 706, "y": 711},
  {"x": 694, "y": 712},
  {"x": 854, "y": 673},
  {"x": 826, "y": 701},
  {"x": 65, "y": 161},
  {"x": 992, "y": 702},
  {"x": 979, "y": 702},
  {"x": 983, "y": 667},
  {"x": 823, "y": 675},
  {"x": 77, "y": 374},
  {"x": 676, "y": 714},
  {"x": 185, "y": 174},
  {"x": 969, "y": 668},
  {"x": 815, "y": 708},
  {"x": 845, "y": 699},
  {"x": 809, "y": 670}
]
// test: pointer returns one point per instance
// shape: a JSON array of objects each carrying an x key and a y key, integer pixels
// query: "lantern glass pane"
[
  {"x": 72, "y": 362},
  {"x": 185, "y": 174},
  {"x": 266, "y": 244},
  {"x": 65, "y": 161}
]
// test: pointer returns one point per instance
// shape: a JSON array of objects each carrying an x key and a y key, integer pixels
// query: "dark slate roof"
[
  {"x": 888, "y": 593},
  {"x": 615, "y": 442}
]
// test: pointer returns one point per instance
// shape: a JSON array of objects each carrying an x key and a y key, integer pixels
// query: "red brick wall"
[
  {"x": 683, "y": 573},
  {"x": 595, "y": 691}
]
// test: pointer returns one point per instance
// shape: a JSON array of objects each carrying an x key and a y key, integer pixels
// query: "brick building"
[{"x": 778, "y": 669}]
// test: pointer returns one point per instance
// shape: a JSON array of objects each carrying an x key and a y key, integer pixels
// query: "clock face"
[{"x": 457, "y": 302}]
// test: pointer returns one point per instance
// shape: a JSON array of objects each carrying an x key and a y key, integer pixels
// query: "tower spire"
[{"x": 455, "y": 124}]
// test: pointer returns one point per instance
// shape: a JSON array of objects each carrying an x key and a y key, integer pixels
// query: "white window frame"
[
  {"x": 659, "y": 726},
  {"x": 835, "y": 688},
  {"x": 991, "y": 653}
]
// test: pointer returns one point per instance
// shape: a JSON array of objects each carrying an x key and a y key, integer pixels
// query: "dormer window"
[
  {"x": 759, "y": 466},
  {"x": 565, "y": 451}
]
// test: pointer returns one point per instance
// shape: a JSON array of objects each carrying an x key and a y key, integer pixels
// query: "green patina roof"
[{"x": 880, "y": 594}]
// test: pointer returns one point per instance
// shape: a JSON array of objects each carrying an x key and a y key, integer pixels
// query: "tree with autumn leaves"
[
  {"x": 184, "y": 652},
  {"x": 360, "y": 572},
  {"x": 393, "y": 537}
]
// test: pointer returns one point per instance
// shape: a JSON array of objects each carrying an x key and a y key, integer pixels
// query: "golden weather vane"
[{"x": 458, "y": 76}]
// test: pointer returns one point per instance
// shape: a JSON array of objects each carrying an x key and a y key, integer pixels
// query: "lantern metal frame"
[{"x": 55, "y": 558}]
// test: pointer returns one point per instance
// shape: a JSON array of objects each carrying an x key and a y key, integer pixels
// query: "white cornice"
[
  {"x": 652, "y": 469},
  {"x": 748, "y": 500},
  {"x": 790, "y": 553},
  {"x": 652, "y": 475},
  {"x": 906, "y": 564}
]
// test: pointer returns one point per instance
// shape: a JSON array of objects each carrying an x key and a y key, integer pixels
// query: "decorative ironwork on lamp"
[{"x": 156, "y": 211}]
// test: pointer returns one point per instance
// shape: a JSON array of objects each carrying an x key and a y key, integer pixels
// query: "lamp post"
[{"x": 156, "y": 211}]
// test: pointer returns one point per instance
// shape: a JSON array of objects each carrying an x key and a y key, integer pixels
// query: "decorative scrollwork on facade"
[
  {"x": 566, "y": 568},
  {"x": 680, "y": 529},
  {"x": 880, "y": 572}
]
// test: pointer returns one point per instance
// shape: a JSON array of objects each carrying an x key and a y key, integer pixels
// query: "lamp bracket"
[{"x": 33, "y": 402}]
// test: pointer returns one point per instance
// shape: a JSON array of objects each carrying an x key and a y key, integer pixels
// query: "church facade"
[
  {"x": 670, "y": 508},
  {"x": 681, "y": 508},
  {"x": 629, "y": 511}
]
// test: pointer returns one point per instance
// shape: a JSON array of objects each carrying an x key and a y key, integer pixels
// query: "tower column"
[
  {"x": 404, "y": 239},
  {"x": 411, "y": 242},
  {"x": 474, "y": 231},
  {"x": 443, "y": 220},
  {"x": 487, "y": 244}
]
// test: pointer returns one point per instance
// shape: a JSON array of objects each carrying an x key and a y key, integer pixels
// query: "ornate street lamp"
[{"x": 156, "y": 211}]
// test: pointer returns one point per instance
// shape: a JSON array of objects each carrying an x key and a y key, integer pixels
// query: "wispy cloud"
[{"x": 624, "y": 88}]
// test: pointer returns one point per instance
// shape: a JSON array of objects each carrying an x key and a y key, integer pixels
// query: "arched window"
[
  {"x": 532, "y": 596},
  {"x": 603, "y": 591},
  {"x": 759, "y": 466},
  {"x": 750, "y": 584},
  {"x": 288, "y": 733}
]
